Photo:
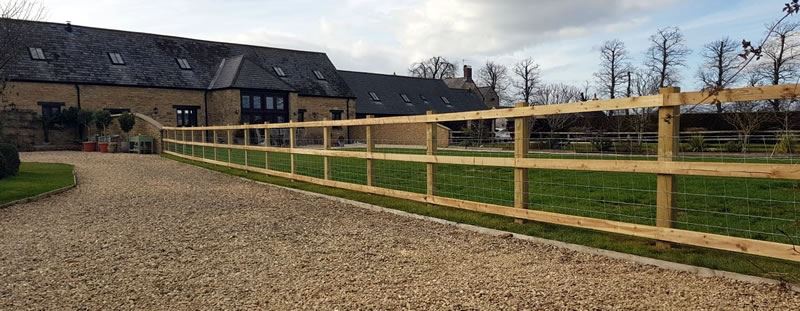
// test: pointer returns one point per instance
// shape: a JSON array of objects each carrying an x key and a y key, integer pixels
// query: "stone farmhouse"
[{"x": 173, "y": 81}]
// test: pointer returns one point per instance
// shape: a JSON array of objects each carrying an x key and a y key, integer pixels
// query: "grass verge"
[
  {"x": 35, "y": 179},
  {"x": 721, "y": 260}
]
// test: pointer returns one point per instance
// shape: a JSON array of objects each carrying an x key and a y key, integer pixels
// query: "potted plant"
[
  {"x": 126, "y": 122},
  {"x": 102, "y": 119}
]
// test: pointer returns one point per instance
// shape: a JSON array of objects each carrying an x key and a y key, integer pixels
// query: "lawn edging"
[
  {"x": 45, "y": 194},
  {"x": 664, "y": 264}
]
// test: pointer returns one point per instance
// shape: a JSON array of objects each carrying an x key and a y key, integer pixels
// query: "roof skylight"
[{"x": 116, "y": 58}]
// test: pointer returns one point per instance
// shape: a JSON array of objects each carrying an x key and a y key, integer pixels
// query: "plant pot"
[
  {"x": 113, "y": 147},
  {"x": 89, "y": 146},
  {"x": 102, "y": 147}
]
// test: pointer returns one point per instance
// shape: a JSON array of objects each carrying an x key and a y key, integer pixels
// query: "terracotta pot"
[
  {"x": 89, "y": 146},
  {"x": 103, "y": 147}
]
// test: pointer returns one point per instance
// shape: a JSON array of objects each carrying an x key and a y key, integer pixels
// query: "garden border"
[{"x": 45, "y": 194}]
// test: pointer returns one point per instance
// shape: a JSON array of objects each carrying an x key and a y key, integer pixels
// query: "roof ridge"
[
  {"x": 389, "y": 75},
  {"x": 169, "y": 36}
]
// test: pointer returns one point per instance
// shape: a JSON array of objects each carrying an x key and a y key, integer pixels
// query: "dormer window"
[
  {"x": 319, "y": 75},
  {"x": 116, "y": 58},
  {"x": 445, "y": 100},
  {"x": 424, "y": 99},
  {"x": 37, "y": 54},
  {"x": 183, "y": 63},
  {"x": 405, "y": 98},
  {"x": 374, "y": 96},
  {"x": 279, "y": 71}
]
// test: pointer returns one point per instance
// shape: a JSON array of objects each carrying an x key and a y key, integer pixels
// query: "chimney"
[
  {"x": 468, "y": 73},
  {"x": 69, "y": 26}
]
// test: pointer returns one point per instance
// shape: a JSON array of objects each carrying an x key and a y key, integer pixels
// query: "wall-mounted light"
[{"x": 155, "y": 110}]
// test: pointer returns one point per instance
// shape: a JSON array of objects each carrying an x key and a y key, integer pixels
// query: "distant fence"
[{"x": 742, "y": 206}]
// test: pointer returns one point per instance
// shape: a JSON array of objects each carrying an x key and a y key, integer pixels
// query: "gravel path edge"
[
  {"x": 46, "y": 194},
  {"x": 669, "y": 265}
]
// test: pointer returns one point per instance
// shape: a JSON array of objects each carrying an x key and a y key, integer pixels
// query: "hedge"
[{"x": 9, "y": 160}]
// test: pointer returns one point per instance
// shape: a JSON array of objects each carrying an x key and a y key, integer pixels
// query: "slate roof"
[
  {"x": 456, "y": 83},
  {"x": 389, "y": 87},
  {"x": 81, "y": 56}
]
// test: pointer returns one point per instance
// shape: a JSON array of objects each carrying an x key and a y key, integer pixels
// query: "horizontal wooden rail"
[
  {"x": 676, "y": 99},
  {"x": 722, "y": 242},
  {"x": 714, "y": 169}
]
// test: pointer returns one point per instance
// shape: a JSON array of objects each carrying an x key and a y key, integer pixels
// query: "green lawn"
[
  {"x": 698, "y": 256},
  {"x": 34, "y": 179},
  {"x": 751, "y": 208}
]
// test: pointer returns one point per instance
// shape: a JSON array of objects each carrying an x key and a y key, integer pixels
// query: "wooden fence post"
[
  {"x": 521, "y": 146},
  {"x": 216, "y": 141},
  {"x": 266, "y": 144},
  {"x": 191, "y": 136},
  {"x": 230, "y": 142},
  {"x": 370, "y": 148},
  {"x": 291, "y": 148},
  {"x": 326, "y": 144},
  {"x": 431, "y": 145},
  {"x": 205, "y": 141},
  {"x": 183, "y": 142},
  {"x": 246, "y": 143},
  {"x": 668, "y": 131}
]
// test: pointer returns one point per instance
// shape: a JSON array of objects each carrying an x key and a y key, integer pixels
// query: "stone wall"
[
  {"x": 24, "y": 129},
  {"x": 401, "y": 134},
  {"x": 317, "y": 109},
  {"x": 224, "y": 107}
]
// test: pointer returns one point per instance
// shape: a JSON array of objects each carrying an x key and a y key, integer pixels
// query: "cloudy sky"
[{"x": 386, "y": 36}]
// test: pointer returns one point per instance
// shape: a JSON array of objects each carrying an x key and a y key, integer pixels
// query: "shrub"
[
  {"x": 787, "y": 143},
  {"x": 697, "y": 143},
  {"x": 102, "y": 119},
  {"x": 733, "y": 146},
  {"x": 9, "y": 166},
  {"x": 126, "y": 122}
]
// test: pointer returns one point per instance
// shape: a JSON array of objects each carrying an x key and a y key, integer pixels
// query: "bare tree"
[
  {"x": 747, "y": 117},
  {"x": 526, "y": 74},
  {"x": 643, "y": 83},
  {"x": 13, "y": 32},
  {"x": 720, "y": 63},
  {"x": 554, "y": 94},
  {"x": 780, "y": 63},
  {"x": 666, "y": 54},
  {"x": 614, "y": 67},
  {"x": 436, "y": 67},
  {"x": 495, "y": 76}
]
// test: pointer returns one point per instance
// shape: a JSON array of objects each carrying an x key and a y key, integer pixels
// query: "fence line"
[{"x": 665, "y": 167}]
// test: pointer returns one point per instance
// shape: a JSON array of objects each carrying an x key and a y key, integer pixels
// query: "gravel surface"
[{"x": 140, "y": 232}]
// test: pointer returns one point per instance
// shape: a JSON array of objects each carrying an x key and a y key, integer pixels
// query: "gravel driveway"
[{"x": 140, "y": 232}]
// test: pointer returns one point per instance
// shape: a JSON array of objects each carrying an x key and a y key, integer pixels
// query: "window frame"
[
  {"x": 252, "y": 115},
  {"x": 183, "y": 63},
  {"x": 374, "y": 96},
  {"x": 36, "y": 53},
  {"x": 279, "y": 71},
  {"x": 301, "y": 115},
  {"x": 405, "y": 98},
  {"x": 319, "y": 75},
  {"x": 186, "y": 119},
  {"x": 48, "y": 107},
  {"x": 111, "y": 56},
  {"x": 424, "y": 99}
]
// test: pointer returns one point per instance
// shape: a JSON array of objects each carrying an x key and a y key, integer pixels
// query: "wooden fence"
[{"x": 668, "y": 102}]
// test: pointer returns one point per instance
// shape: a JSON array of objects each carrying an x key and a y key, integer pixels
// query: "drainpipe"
[
  {"x": 205, "y": 106},
  {"x": 78, "y": 97}
]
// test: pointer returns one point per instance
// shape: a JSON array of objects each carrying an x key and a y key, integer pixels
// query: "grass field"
[
  {"x": 34, "y": 179},
  {"x": 698, "y": 256},
  {"x": 752, "y": 208}
]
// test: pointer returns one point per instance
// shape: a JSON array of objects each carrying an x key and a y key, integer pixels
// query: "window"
[
  {"x": 183, "y": 63},
  {"x": 319, "y": 75},
  {"x": 50, "y": 110},
  {"x": 261, "y": 106},
  {"x": 374, "y": 96},
  {"x": 116, "y": 58},
  {"x": 301, "y": 115},
  {"x": 424, "y": 99},
  {"x": 445, "y": 100},
  {"x": 279, "y": 71},
  {"x": 37, "y": 53},
  {"x": 336, "y": 114},
  {"x": 405, "y": 98},
  {"x": 186, "y": 116}
]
